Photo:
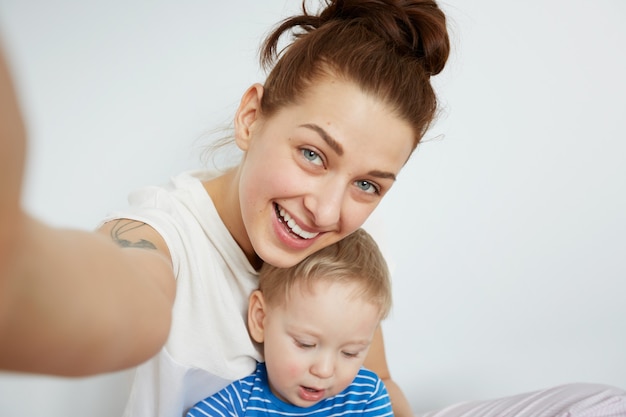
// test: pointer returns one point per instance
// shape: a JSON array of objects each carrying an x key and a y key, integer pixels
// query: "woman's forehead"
[{"x": 340, "y": 108}]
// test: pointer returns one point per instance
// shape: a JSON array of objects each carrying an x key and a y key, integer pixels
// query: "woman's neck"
[{"x": 224, "y": 191}]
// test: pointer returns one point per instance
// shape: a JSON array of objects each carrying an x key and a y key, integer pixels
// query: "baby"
[{"x": 316, "y": 321}]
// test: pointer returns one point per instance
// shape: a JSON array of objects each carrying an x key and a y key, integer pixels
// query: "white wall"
[{"x": 505, "y": 231}]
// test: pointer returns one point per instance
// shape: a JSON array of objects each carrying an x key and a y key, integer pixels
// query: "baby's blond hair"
[{"x": 354, "y": 259}]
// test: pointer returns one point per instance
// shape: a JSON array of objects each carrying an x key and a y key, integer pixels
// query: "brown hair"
[
  {"x": 354, "y": 259},
  {"x": 390, "y": 48}
]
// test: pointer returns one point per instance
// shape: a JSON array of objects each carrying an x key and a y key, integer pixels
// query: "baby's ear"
[
  {"x": 256, "y": 316},
  {"x": 248, "y": 112}
]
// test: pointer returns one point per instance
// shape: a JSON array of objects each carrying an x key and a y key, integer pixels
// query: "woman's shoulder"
[{"x": 184, "y": 188}]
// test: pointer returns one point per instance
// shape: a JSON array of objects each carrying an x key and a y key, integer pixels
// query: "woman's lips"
[{"x": 294, "y": 228}]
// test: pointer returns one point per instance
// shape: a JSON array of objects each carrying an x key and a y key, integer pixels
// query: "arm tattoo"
[{"x": 123, "y": 226}]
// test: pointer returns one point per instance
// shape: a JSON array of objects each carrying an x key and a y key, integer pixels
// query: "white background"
[{"x": 506, "y": 231}]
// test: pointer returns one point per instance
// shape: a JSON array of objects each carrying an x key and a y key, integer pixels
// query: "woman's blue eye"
[
  {"x": 367, "y": 186},
  {"x": 312, "y": 156}
]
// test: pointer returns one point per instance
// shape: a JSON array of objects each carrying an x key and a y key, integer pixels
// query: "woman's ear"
[
  {"x": 256, "y": 316},
  {"x": 248, "y": 112}
]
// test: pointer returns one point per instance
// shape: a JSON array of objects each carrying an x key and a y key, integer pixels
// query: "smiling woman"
[
  {"x": 498, "y": 234},
  {"x": 314, "y": 178},
  {"x": 185, "y": 255}
]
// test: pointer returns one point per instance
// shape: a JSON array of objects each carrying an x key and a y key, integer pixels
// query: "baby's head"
[{"x": 317, "y": 319}]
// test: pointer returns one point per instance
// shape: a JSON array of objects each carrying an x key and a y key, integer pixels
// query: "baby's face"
[{"x": 316, "y": 342}]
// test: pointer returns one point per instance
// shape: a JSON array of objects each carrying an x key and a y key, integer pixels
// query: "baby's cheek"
[{"x": 295, "y": 370}]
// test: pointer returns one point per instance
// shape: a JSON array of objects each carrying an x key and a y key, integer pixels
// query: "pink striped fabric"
[{"x": 571, "y": 400}]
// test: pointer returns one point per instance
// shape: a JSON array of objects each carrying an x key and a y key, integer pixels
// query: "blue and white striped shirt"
[{"x": 251, "y": 396}]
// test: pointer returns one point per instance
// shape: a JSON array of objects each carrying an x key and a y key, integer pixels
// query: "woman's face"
[{"x": 313, "y": 172}]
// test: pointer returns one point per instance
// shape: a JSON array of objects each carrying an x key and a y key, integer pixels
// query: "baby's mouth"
[
  {"x": 311, "y": 394},
  {"x": 288, "y": 221}
]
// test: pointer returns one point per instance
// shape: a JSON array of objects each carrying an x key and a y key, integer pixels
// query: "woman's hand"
[
  {"x": 12, "y": 153},
  {"x": 71, "y": 302}
]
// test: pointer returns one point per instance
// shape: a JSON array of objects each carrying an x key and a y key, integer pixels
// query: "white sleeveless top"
[{"x": 208, "y": 346}]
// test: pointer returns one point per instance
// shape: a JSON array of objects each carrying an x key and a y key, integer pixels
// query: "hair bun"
[
  {"x": 414, "y": 27},
  {"x": 389, "y": 48}
]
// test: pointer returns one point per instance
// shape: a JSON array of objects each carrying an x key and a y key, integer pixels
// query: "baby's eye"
[
  {"x": 304, "y": 345},
  {"x": 368, "y": 187},
  {"x": 312, "y": 156},
  {"x": 350, "y": 354}
]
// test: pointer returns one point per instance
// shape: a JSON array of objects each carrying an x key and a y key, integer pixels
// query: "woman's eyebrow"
[
  {"x": 324, "y": 135},
  {"x": 336, "y": 146},
  {"x": 383, "y": 174}
]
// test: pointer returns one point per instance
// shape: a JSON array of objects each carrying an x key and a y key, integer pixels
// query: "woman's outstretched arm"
[{"x": 71, "y": 302}]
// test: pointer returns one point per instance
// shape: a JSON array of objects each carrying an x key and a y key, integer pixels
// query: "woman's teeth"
[{"x": 291, "y": 223}]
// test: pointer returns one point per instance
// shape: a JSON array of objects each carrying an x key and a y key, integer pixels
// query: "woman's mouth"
[{"x": 287, "y": 220}]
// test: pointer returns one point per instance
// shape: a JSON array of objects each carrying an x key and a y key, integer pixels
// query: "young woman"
[
  {"x": 168, "y": 279},
  {"x": 165, "y": 283}
]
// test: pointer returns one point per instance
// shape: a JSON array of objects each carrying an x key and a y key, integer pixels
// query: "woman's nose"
[{"x": 324, "y": 203}]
